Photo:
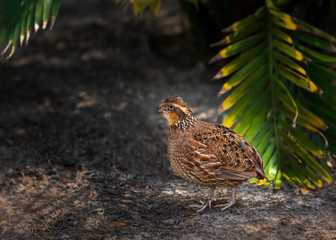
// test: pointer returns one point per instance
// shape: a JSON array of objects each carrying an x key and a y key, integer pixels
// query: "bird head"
[{"x": 175, "y": 110}]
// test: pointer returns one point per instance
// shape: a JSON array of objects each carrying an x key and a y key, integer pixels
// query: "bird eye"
[{"x": 171, "y": 107}]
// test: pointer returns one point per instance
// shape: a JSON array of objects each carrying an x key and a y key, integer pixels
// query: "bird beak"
[{"x": 161, "y": 108}]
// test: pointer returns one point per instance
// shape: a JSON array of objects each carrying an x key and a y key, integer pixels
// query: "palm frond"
[
  {"x": 276, "y": 81},
  {"x": 141, "y": 5},
  {"x": 19, "y": 19}
]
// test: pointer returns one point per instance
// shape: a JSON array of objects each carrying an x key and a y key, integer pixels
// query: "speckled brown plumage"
[{"x": 208, "y": 154}]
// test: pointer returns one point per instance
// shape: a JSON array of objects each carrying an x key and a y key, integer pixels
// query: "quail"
[{"x": 208, "y": 154}]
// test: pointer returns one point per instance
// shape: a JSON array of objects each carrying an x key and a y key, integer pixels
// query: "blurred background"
[{"x": 83, "y": 150}]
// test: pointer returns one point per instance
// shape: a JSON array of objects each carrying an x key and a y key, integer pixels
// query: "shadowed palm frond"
[
  {"x": 281, "y": 94},
  {"x": 19, "y": 19},
  {"x": 140, "y": 6}
]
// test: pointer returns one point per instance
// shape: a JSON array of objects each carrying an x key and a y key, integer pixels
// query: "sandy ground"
[{"x": 83, "y": 150}]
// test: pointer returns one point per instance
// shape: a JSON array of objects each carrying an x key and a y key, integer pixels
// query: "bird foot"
[
  {"x": 232, "y": 201},
  {"x": 227, "y": 205},
  {"x": 203, "y": 205}
]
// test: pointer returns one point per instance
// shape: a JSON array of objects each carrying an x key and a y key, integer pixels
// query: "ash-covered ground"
[{"x": 83, "y": 151}]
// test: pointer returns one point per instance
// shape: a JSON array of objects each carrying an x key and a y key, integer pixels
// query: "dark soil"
[{"x": 83, "y": 150}]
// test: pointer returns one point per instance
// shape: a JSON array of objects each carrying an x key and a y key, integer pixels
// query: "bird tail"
[
  {"x": 260, "y": 169},
  {"x": 262, "y": 174}
]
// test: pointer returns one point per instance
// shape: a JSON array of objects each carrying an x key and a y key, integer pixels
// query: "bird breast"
[{"x": 180, "y": 154}]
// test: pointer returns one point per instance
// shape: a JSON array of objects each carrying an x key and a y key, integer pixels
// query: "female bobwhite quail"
[{"x": 209, "y": 154}]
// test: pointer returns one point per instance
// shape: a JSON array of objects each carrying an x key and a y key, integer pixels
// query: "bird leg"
[
  {"x": 232, "y": 200},
  {"x": 207, "y": 202}
]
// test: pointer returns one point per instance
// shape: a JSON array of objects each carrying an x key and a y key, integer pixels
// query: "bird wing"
[
  {"x": 239, "y": 159},
  {"x": 226, "y": 172},
  {"x": 254, "y": 156}
]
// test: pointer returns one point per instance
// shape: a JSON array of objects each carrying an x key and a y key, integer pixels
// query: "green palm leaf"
[
  {"x": 19, "y": 19},
  {"x": 276, "y": 99}
]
